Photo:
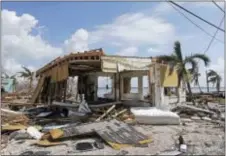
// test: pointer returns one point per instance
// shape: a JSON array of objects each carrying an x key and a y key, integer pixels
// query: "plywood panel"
[{"x": 166, "y": 79}]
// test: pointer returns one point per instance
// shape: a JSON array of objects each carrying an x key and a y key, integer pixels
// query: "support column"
[
  {"x": 96, "y": 88},
  {"x": 113, "y": 86},
  {"x": 65, "y": 90},
  {"x": 126, "y": 84},
  {"x": 140, "y": 86},
  {"x": 118, "y": 86}
]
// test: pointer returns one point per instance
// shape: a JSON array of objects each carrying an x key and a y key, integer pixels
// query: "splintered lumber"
[
  {"x": 8, "y": 112},
  {"x": 116, "y": 133},
  {"x": 108, "y": 111},
  {"x": 37, "y": 90},
  {"x": 119, "y": 113},
  {"x": 191, "y": 109},
  {"x": 12, "y": 117}
]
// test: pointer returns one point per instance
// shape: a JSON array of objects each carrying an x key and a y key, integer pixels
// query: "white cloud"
[
  {"x": 134, "y": 29},
  {"x": 11, "y": 66},
  {"x": 208, "y": 4},
  {"x": 18, "y": 42},
  {"x": 153, "y": 50},
  {"x": 78, "y": 41},
  {"x": 130, "y": 51},
  {"x": 165, "y": 7}
]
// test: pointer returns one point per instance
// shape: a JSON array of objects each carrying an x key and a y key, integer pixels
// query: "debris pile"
[
  {"x": 112, "y": 123},
  {"x": 213, "y": 112}
]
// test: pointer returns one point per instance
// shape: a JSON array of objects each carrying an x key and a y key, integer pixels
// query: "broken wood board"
[
  {"x": 119, "y": 113},
  {"x": 47, "y": 143},
  {"x": 68, "y": 105},
  {"x": 37, "y": 89},
  {"x": 120, "y": 135},
  {"x": 108, "y": 111},
  {"x": 191, "y": 109},
  {"x": 115, "y": 133},
  {"x": 15, "y": 127},
  {"x": 12, "y": 117}
]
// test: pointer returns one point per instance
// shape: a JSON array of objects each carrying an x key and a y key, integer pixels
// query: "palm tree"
[
  {"x": 214, "y": 78},
  {"x": 195, "y": 78},
  {"x": 28, "y": 75},
  {"x": 178, "y": 62}
]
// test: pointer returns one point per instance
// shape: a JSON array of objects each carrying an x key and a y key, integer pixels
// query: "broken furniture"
[{"x": 152, "y": 115}]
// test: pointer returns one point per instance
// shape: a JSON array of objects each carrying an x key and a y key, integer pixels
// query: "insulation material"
[
  {"x": 114, "y": 63},
  {"x": 32, "y": 131},
  {"x": 84, "y": 108},
  {"x": 149, "y": 115}
]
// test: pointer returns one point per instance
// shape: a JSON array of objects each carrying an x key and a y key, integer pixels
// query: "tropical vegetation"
[{"x": 178, "y": 62}]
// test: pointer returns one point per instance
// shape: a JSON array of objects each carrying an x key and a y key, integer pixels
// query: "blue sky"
[{"x": 34, "y": 33}]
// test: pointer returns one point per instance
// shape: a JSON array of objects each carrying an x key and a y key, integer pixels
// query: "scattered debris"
[
  {"x": 123, "y": 152},
  {"x": 34, "y": 132},
  {"x": 84, "y": 146},
  {"x": 108, "y": 111},
  {"x": 170, "y": 152},
  {"x": 183, "y": 148}
]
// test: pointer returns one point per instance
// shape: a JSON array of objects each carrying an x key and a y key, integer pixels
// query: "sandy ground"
[{"x": 202, "y": 138}]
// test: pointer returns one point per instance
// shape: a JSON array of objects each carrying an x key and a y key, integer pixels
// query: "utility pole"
[{"x": 207, "y": 83}]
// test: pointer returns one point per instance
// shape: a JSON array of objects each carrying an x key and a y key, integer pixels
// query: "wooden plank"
[
  {"x": 107, "y": 112},
  {"x": 37, "y": 90}
]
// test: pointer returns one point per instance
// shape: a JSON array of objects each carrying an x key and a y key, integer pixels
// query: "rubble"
[
  {"x": 112, "y": 123},
  {"x": 209, "y": 112}
]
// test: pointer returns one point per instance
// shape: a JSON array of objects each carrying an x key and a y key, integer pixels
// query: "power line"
[
  {"x": 196, "y": 16},
  {"x": 195, "y": 23},
  {"x": 218, "y": 6},
  {"x": 211, "y": 41}
]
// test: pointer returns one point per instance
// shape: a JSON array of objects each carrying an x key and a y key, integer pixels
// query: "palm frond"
[
  {"x": 202, "y": 57},
  {"x": 211, "y": 73},
  {"x": 24, "y": 74},
  {"x": 192, "y": 62},
  {"x": 27, "y": 70}
]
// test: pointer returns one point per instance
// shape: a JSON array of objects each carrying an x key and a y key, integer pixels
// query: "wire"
[
  {"x": 195, "y": 23},
  {"x": 211, "y": 41},
  {"x": 218, "y": 6},
  {"x": 196, "y": 16}
]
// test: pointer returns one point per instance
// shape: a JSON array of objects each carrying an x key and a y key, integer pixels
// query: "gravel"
[{"x": 202, "y": 138}]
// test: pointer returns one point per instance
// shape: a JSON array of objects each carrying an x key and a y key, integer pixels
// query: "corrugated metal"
[{"x": 114, "y": 63}]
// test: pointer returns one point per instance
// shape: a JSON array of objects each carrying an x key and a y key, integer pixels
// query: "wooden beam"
[{"x": 108, "y": 111}]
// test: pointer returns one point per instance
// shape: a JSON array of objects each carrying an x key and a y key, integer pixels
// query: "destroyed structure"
[
  {"x": 88, "y": 66},
  {"x": 105, "y": 126}
]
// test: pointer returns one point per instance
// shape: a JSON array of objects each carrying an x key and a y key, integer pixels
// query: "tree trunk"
[
  {"x": 218, "y": 87},
  {"x": 207, "y": 82},
  {"x": 190, "y": 93},
  {"x": 178, "y": 87},
  {"x": 199, "y": 88},
  {"x": 30, "y": 85}
]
